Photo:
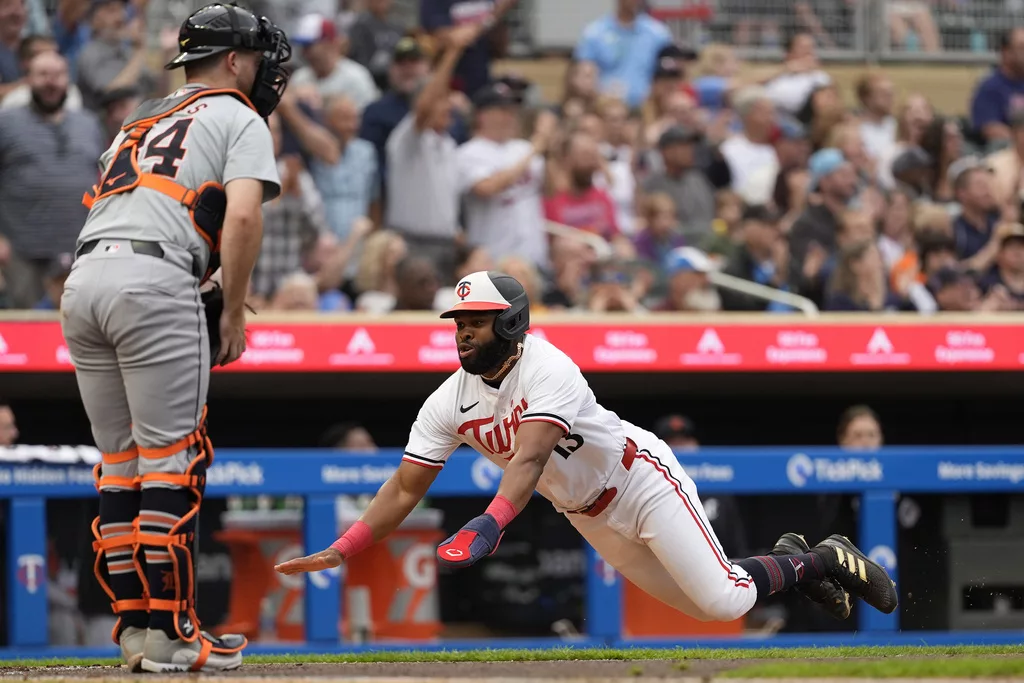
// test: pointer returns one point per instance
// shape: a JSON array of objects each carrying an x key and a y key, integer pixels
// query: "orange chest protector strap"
[{"x": 206, "y": 204}]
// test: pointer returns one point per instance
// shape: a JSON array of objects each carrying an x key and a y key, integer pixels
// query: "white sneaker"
[
  {"x": 206, "y": 653},
  {"x": 132, "y": 642}
]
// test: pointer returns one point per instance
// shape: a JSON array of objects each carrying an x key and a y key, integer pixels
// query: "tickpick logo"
[
  {"x": 883, "y": 555},
  {"x": 799, "y": 469}
]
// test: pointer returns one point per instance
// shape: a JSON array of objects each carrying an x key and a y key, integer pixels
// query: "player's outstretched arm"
[
  {"x": 394, "y": 501},
  {"x": 479, "y": 538}
]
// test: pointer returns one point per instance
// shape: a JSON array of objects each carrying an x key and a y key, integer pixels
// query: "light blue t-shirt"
[{"x": 625, "y": 55}]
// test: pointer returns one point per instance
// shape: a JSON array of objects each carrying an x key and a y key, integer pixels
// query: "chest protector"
[{"x": 206, "y": 204}]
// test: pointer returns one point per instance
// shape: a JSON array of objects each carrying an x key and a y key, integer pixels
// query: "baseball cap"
[
  {"x": 946, "y": 277},
  {"x": 824, "y": 163},
  {"x": 912, "y": 159},
  {"x": 313, "y": 28},
  {"x": 788, "y": 128},
  {"x": 1014, "y": 232},
  {"x": 674, "y": 425},
  {"x": 407, "y": 49},
  {"x": 678, "y": 135},
  {"x": 678, "y": 50},
  {"x": 688, "y": 259},
  {"x": 495, "y": 95},
  {"x": 668, "y": 67}
]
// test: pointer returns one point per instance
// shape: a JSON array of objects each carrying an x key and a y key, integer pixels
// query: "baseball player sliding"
[
  {"x": 180, "y": 192},
  {"x": 524, "y": 405}
]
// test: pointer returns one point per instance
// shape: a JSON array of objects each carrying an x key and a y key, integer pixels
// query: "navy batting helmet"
[
  {"x": 498, "y": 292},
  {"x": 220, "y": 27}
]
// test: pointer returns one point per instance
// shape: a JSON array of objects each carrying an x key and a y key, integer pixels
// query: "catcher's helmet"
[
  {"x": 221, "y": 27},
  {"x": 494, "y": 291}
]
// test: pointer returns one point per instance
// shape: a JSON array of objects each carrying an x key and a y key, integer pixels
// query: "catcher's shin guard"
[
  {"x": 117, "y": 565},
  {"x": 167, "y": 532}
]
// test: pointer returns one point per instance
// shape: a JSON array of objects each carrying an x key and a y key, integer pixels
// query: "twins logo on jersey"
[{"x": 498, "y": 439}]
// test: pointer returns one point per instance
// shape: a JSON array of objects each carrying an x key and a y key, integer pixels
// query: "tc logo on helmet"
[{"x": 463, "y": 289}]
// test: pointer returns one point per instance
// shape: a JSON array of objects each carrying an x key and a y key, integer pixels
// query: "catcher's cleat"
[
  {"x": 132, "y": 641},
  {"x": 831, "y": 597},
  {"x": 205, "y": 653},
  {"x": 852, "y": 570}
]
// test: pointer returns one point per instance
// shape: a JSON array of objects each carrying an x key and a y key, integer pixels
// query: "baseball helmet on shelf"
[
  {"x": 498, "y": 292},
  {"x": 220, "y": 27}
]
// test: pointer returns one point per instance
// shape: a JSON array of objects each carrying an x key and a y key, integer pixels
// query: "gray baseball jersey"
[{"x": 216, "y": 139}]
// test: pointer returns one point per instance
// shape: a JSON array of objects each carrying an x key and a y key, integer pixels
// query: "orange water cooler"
[
  {"x": 390, "y": 589},
  {"x": 647, "y": 617}
]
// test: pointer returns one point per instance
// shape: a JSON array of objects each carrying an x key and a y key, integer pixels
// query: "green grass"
[
  {"x": 900, "y": 668},
  {"x": 568, "y": 653}
]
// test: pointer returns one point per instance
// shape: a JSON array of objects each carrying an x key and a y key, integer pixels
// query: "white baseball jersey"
[{"x": 545, "y": 386}]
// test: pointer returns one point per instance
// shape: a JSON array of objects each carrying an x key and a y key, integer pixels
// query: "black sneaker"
[
  {"x": 832, "y": 598},
  {"x": 852, "y": 570}
]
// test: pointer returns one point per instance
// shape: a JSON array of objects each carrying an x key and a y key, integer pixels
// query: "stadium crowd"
[{"x": 406, "y": 164}]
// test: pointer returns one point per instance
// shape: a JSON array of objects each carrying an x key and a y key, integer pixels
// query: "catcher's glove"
[{"x": 213, "y": 301}]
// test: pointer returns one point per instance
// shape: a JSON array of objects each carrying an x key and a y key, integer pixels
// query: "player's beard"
[{"x": 487, "y": 358}]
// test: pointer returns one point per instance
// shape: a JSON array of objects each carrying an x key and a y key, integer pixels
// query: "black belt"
[{"x": 138, "y": 246}]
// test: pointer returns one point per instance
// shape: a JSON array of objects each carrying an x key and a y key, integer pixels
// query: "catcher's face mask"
[{"x": 271, "y": 77}]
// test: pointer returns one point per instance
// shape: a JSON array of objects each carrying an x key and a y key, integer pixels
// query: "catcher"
[{"x": 180, "y": 195}]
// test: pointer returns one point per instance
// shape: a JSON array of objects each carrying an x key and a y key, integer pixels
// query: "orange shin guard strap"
[
  {"x": 126, "y": 605},
  {"x": 187, "y": 481},
  {"x": 204, "y": 654},
  {"x": 122, "y": 457}
]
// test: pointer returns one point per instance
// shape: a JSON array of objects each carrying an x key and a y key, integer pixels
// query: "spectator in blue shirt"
[
  {"x": 974, "y": 229},
  {"x": 625, "y": 47},
  {"x": 1002, "y": 91},
  {"x": 474, "y": 69},
  {"x": 406, "y": 74}
]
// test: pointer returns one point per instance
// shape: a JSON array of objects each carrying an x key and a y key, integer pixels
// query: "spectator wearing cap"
[
  {"x": 406, "y": 74},
  {"x": 439, "y": 17},
  {"x": 912, "y": 170},
  {"x": 328, "y": 68},
  {"x": 13, "y": 18},
  {"x": 116, "y": 57},
  {"x": 723, "y": 512},
  {"x": 1001, "y": 93},
  {"x": 661, "y": 233},
  {"x": 47, "y": 162},
  {"x": 716, "y": 75},
  {"x": 974, "y": 229},
  {"x": 1007, "y": 164},
  {"x": 667, "y": 81},
  {"x": 859, "y": 282},
  {"x": 812, "y": 236},
  {"x": 686, "y": 183},
  {"x": 954, "y": 290},
  {"x": 750, "y": 150},
  {"x": 689, "y": 288},
  {"x": 1008, "y": 270},
  {"x": 501, "y": 177},
  {"x": 373, "y": 38},
  {"x": 877, "y": 124},
  {"x": 763, "y": 258},
  {"x": 612, "y": 290},
  {"x": 20, "y": 95},
  {"x": 793, "y": 149},
  {"x": 801, "y": 74},
  {"x": 423, "y": 172},
  {"x": 625, "y": 45},
  {"x": 584, "y": 205}
]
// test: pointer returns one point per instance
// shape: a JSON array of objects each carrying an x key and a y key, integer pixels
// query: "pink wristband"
[
  {"x": 358, "y": 538},
  {"x": 503, "y": 511}
]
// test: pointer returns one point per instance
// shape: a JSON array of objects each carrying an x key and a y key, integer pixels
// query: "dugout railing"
[{"x": 876, "y": 477}]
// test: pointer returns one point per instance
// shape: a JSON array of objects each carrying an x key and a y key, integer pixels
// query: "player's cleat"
[
  {"x": 852, "y": 570},
  {"x": 165, "y": 655},
  {"x": 132, "y": 642},
  {"x": 831, "y": 597}
]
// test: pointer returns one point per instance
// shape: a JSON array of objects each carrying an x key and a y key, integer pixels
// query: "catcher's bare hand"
[
  {"x": 325, "y": 559},
  {"x": 232, "y": 337}
]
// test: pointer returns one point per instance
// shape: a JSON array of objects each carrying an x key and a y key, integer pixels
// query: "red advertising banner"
[{"x": 632, "y": 346}]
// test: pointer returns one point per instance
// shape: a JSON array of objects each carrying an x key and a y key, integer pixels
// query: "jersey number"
[
  {"x": 168, "y": 147},
  {"x": 573, "y": 442}
]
